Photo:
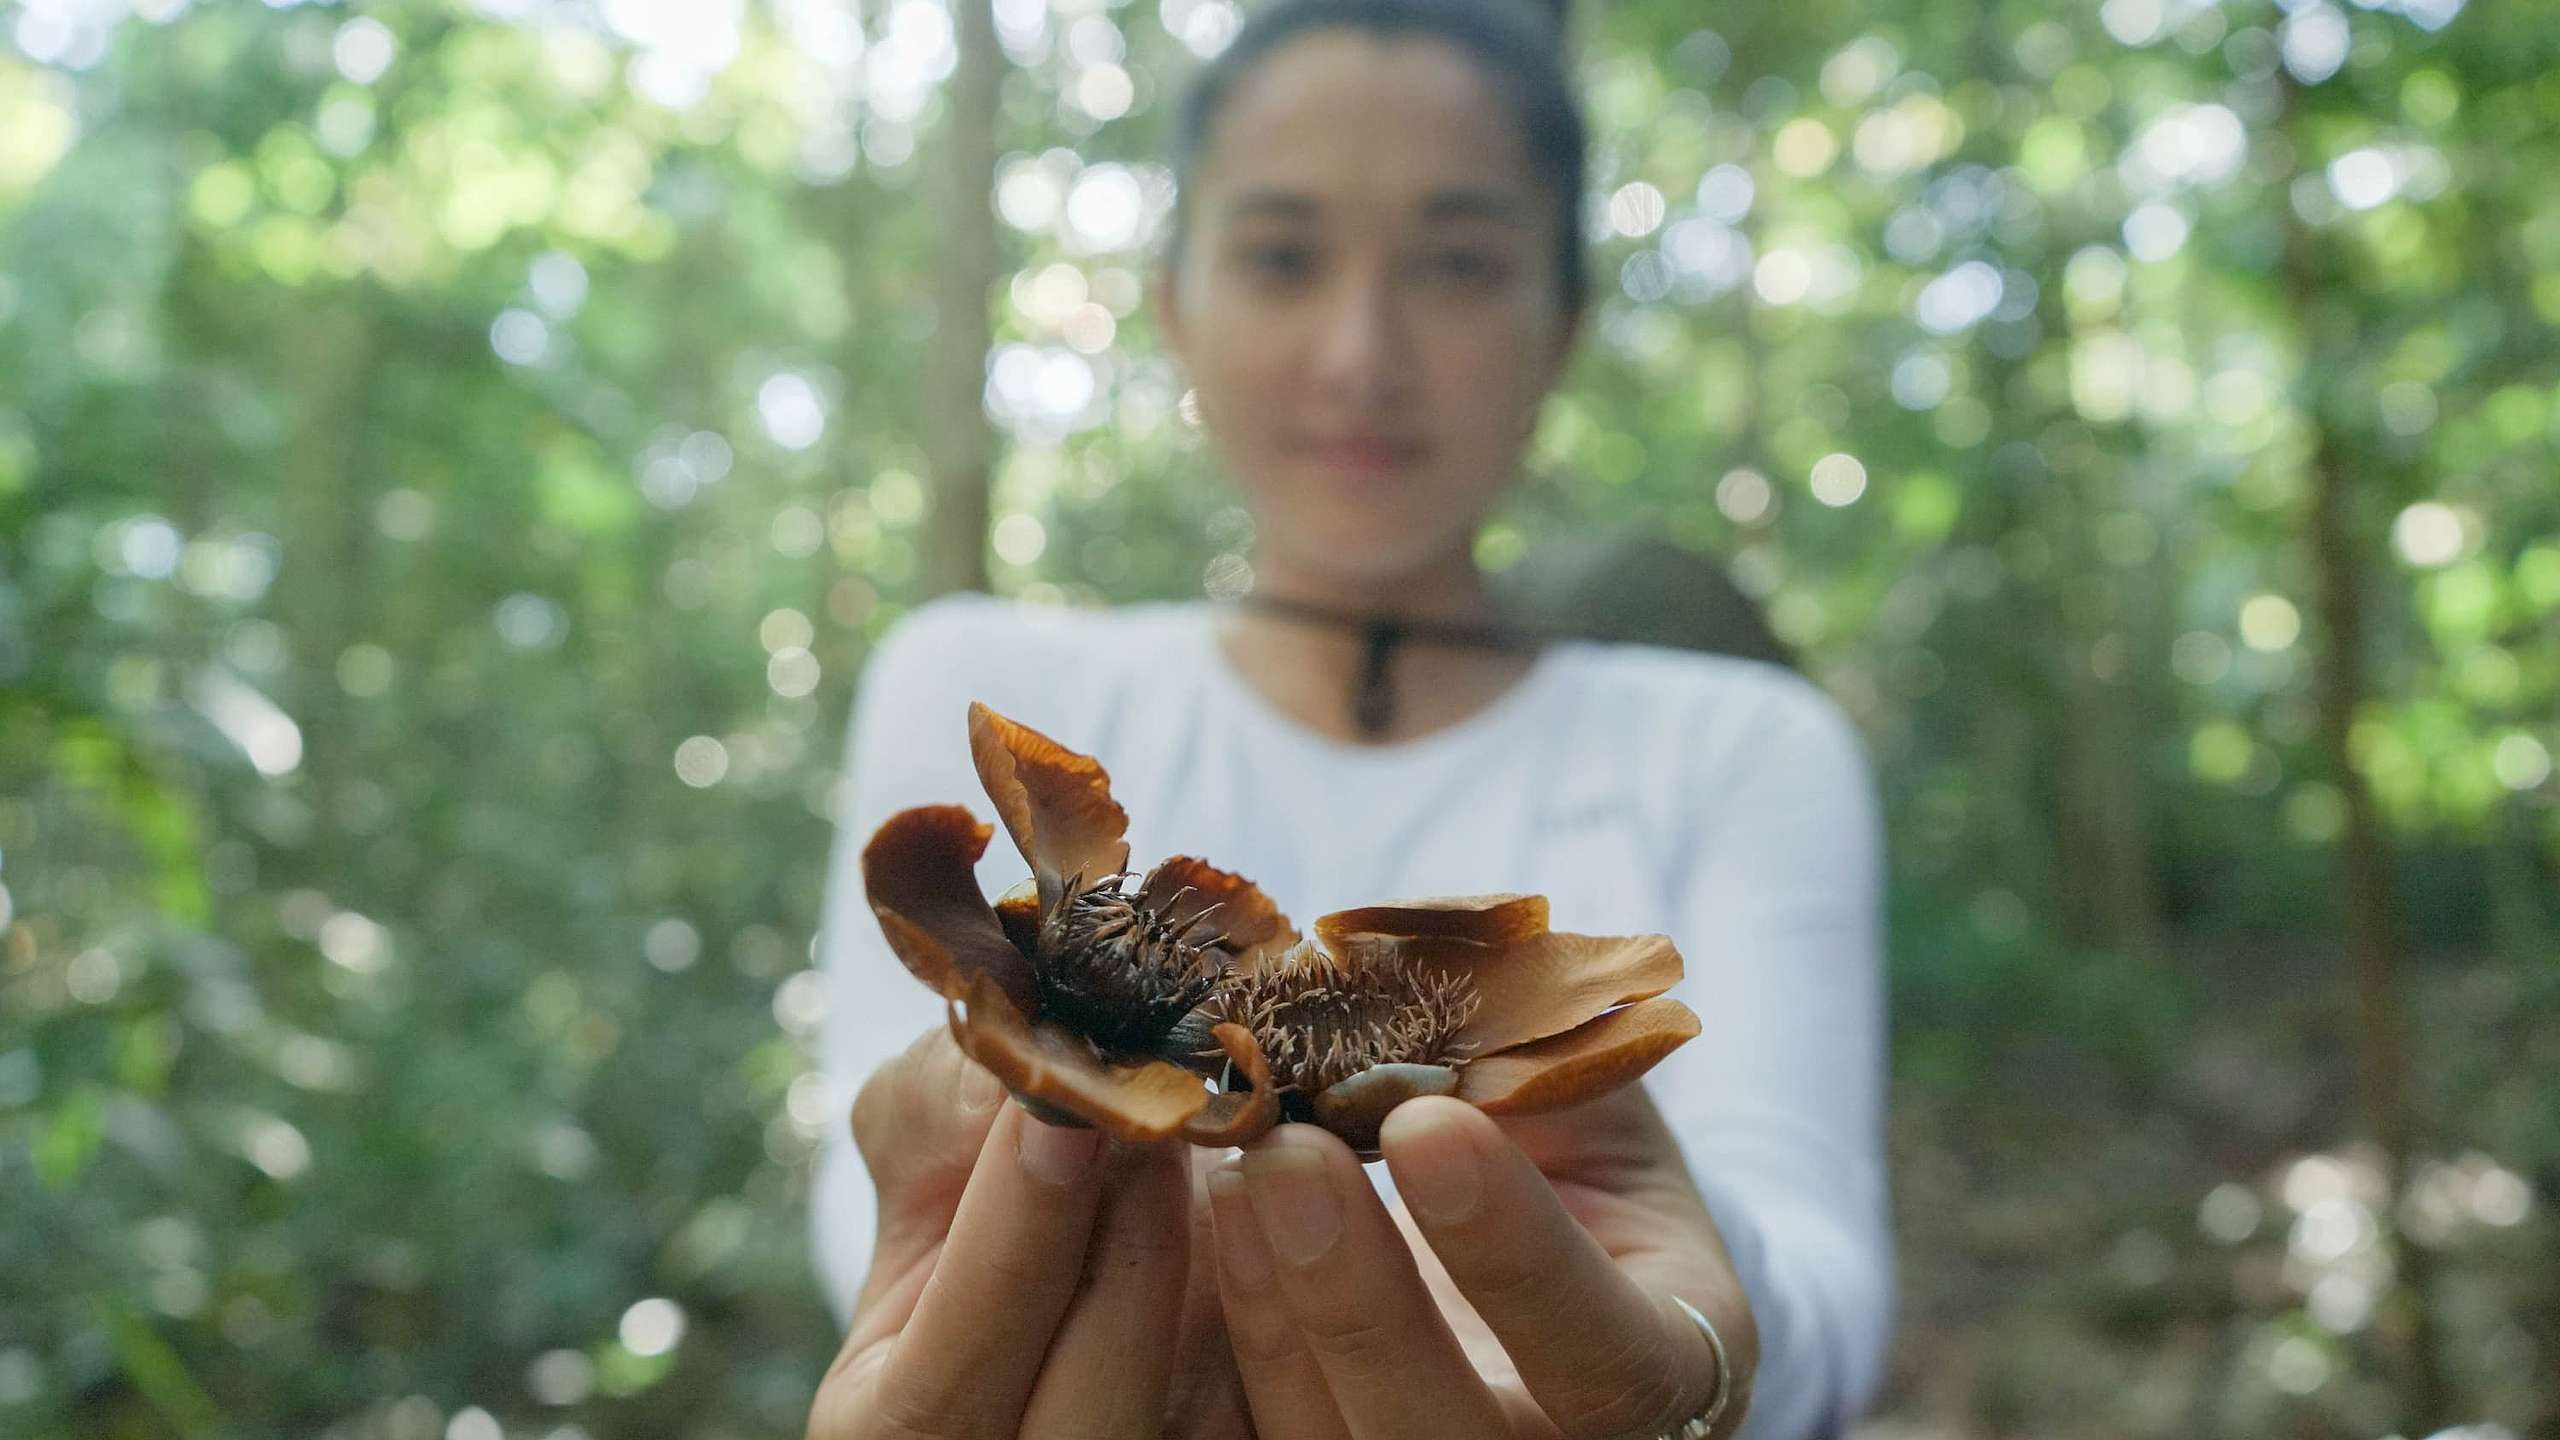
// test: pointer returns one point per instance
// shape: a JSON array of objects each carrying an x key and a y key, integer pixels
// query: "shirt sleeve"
[
  {"x": 1779, "y": 1105},
  {"x": 908, "y": 745}
]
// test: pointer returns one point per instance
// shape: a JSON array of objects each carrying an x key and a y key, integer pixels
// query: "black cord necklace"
[{"x": 1382, "y": 634}]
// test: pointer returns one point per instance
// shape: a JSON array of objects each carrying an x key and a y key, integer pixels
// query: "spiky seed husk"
[
  {"x": 1319, "y": 1021},
  {"x": 1119, "y": 972}
]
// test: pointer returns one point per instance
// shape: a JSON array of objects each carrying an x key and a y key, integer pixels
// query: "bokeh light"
[
  {"x": 1838, "y": 480},
  {"x": 652, "y": 1327},
  {"x": 2429, "y": 534}
]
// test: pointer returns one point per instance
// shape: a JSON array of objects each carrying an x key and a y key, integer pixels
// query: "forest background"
[{"x": 454, "y": 457}]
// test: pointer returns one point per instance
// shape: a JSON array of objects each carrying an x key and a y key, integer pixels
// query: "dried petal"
[
  {"x": 919, "y": 874},
  {"x": 1053, "y": 1069},
  {"x": 1056, "y": 803},
  {"x": 1475, "y": 919},
  {"x": 1550, "y": 983},
  {"x": 1355, "y": 1108},
  {"x": 1580, "y": 1064},
  {"x": 1250, "y": 1103},
  {"x": 1252, "y": 926},
  {"x": 1530, "y": 982}
]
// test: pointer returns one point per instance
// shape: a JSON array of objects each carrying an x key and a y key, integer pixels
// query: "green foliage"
[{"x": 451, "y": 467}]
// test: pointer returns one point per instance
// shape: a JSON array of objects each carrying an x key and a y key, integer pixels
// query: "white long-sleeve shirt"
[{"x": 1722, "y": 802}]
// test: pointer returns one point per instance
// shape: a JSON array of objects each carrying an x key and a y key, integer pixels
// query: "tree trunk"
[
  {"x": 2338, "y": 568},
  {"x": 323, "y": 585},
  {"x": 958, "y": 446},
  {"x": 2115, "y": 901}
]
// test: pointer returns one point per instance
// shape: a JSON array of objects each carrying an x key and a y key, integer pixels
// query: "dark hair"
[{"x": 1519, "y": 44}]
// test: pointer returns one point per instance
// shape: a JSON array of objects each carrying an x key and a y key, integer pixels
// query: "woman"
[{"x": 1376, "y": 277}]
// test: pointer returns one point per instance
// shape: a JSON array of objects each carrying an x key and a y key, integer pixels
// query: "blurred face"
[{"x": 1367, "y": 301}]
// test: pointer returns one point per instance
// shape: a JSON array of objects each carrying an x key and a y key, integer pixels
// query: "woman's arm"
[{"x": 1779, "y": 1106}]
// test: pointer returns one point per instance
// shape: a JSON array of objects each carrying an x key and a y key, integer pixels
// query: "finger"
[
  {"x": 1482, "y": 1350},
  {"x": 1283, "y": 1385},
  {"x": 1206, "y": 1400},
  {"x": 1210, "y": 1406},
  {"x": 968, "y": 1357},
  {"x": 908, "y": 1129},
  {"x": 1347, "y": 1280},
  {"x": 920, "y": 1122},
  {"x": 1108, "y": 1366},
  {"x": 1626, "y": 1169},
  {"x": 1601, "y": 1354}
]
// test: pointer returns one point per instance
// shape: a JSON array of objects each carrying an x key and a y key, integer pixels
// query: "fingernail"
[
  {"x": 1435, "y": 1165},
  {"x": 1056, "y": 1154},
  {"x": 1240, "y": 1239},
  {"x": 1294, "y": 1201}
]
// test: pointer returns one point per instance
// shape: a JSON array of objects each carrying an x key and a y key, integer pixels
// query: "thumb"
[{"x": 1601, "y": 1353}]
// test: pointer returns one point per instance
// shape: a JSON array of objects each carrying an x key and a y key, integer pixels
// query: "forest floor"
[{"x": 2065, "y": 1273}]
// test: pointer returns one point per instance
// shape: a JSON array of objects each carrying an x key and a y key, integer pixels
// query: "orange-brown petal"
[
  {"x": 1056, "y": 803},
  {"x": 1581, "y": 1064},
  {"x": 1474, "y": 919},
  {"x": 1248, "y": 920},
  {"x": 1550, "y": 983},
  {"x": 919, "y": 875},
  {"x": 1054, "y": 1070},
  {"x": 1238, "y": 1116}
]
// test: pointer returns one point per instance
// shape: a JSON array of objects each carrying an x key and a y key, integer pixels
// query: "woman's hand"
[
  {"x": 1534, "y": 1297},
  {"x": 1028, "y": 1280}
]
